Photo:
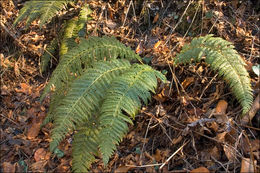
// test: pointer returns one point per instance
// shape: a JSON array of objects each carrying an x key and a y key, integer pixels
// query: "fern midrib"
[{"x": 89, "y": 87}]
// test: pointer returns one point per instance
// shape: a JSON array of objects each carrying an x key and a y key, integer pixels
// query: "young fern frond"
[
  {"x": 223, "y": 58},
  {"x": 84, "y": 97},
  {"x": 42, "y": 9},
  {"x": 87, "y": 51},
  {"x": 125, "y": 95}
]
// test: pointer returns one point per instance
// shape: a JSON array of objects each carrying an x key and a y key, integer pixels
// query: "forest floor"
[{"x": 178, "y": 130}]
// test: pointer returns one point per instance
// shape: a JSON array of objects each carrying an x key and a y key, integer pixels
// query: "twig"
[
  {"x": 207, "y": 86},
  {"x": 251, "y": 152},
  {"x": 250, "y": 115},
  {"x": 219, "y": 163},
  {"x": 192, "y": 21},
  {"x": 202, "y": 12},
  {"x": 173, "y": 155},
  {"x": 213, "y": 24},
  {"x": 174, "y": 78},
  {"x": 12, "y": 35},
  {"x": 180, "y": 20},
  {"x": 127, "y": 12},
  {"x": 252, "y": 47},
  {"x": 147, "y": 129},
  {"x": 144, "y": 166},
  {"x": 9, "y": 119}
]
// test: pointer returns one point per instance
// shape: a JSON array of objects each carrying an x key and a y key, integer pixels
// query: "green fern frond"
[
  {"x": 125, "y": 95},
  {"x": 87, "y": 51},
  {"x": 222, "y": 57},
  {"x": 85, "y": 146},
  {"x": 84, "y": 97},
  {"x": 42, "y": 9}
]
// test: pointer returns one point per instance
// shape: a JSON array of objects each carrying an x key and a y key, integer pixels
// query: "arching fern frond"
[
  {"x": 42, "y": 9},
  {"x": 223, "y": 58},
  {"x": 87, "y": 51},
  {"x": 84, "y": 97},
  {"x": 125, "y": 95}
]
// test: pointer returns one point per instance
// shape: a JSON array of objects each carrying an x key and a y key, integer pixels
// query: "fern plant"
[
  {"x": 223, "y": 58},
  {"x": 94, "y": 92}
]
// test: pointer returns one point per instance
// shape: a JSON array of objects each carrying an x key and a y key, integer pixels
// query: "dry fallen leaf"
[
  {"x": 139, "y": 49},
  {"x": 8, "y": 167},
  {"x": 39, "y": 166},
  {"x": 156, "y": 18},
  {"x": 200, "y": 170},
  {"x": 252, "y": 112},
  {"x": 157, "y": 44},
  {"x": 158, "y": 156},
  {"x": 16, "y": 69},
  {"x": 25, "y": 88},
  {"x": 253, "y": 146},
  {"x": 34, "y": 131},
  {"x": 230, "y": 152},
  {"x": 247, "y": 165},
  {"x": 220, "y": 111},
  {"x": 40, "y": 154},
  {"x": 221, "y": 107},
  {"x": 215, "y": 153},
  {"x": 123, "y": 169},
  {"x": 221, "y": 136},
  {"x": 187, "y": 82},
  {"x": 35, "y": 128}
]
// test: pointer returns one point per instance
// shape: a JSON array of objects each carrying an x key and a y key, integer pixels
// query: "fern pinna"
[
  {"x": 94, "y": 90},
  {"x": 223, "y": 58}
]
